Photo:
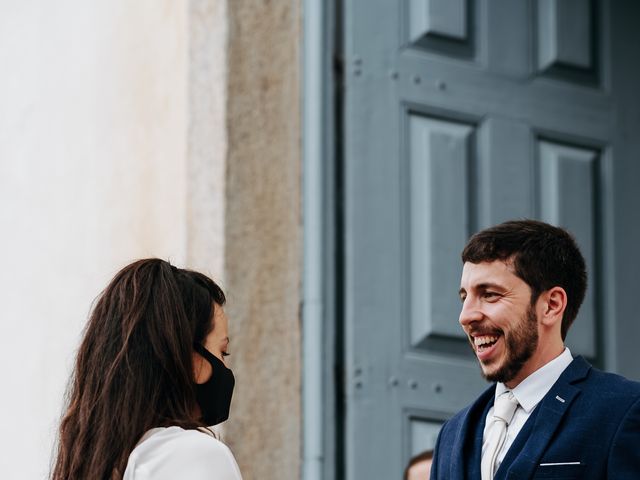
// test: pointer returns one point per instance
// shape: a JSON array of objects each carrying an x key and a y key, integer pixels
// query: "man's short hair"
[{"x": 542, "y": 255}]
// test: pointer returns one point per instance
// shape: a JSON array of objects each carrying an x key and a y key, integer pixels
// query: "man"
[{"x": 548, "y": 415}]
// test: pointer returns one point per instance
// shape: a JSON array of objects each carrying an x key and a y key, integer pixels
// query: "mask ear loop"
[{"x": 208, "y": 356}]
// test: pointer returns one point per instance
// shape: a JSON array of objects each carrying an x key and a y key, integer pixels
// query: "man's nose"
[{"x": 470, "y": 312}]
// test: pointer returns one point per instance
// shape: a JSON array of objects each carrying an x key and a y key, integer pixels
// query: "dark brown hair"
[
  {"x": 542, "y": 255},
  {"x": 134, "y": 367}
]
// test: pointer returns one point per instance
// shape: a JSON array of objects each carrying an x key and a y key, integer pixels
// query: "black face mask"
[{"x": 214, "y": 396}]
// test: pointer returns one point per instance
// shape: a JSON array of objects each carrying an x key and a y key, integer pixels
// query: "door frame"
[{"x": 323, "y": 406}]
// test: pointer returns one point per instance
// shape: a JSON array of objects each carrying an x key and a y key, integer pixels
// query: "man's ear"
[{"x": 554, "y": 303}]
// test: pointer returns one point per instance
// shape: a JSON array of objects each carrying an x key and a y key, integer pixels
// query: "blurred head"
[
  {"x": 419, "y": 467},
  {"x": 136, "y": 367}
]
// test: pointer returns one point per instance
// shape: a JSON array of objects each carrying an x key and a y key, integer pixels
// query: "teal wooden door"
[{"x": 459, "y": 114}]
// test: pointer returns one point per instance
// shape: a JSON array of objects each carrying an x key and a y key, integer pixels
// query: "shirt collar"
[{"x": 532, "y": 389}]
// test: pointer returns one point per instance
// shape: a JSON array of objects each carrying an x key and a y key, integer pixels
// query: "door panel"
[
  {"x": 438, "y": 208},
  {"x": 565, "y": 34}
]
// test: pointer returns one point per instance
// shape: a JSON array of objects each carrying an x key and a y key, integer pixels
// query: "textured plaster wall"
[
  {"x": 93, "y": 142},
  {"x": 207, "y": 135},
  {"x": 263, "y": 237}
]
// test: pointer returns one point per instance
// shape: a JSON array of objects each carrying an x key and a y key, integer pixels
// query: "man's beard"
[{"x": 520, "y": 344}]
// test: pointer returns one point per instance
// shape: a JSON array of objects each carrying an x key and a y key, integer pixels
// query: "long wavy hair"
[{"x": 134, "y": 367}]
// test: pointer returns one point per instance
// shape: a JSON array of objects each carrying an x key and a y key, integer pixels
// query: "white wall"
[{"x": 93, "y": 129}]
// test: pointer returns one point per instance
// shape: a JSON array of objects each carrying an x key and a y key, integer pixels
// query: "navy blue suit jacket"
[{"x": 587, "y": 427}]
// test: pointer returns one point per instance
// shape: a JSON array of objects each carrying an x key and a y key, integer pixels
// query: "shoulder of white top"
[{"x": 174, "y": 449}]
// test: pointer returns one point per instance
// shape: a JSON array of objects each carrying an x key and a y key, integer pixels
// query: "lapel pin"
[{"x": 560, "y": 399}]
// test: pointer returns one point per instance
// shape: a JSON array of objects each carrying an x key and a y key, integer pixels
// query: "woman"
[{"x": 149, "y": 378}]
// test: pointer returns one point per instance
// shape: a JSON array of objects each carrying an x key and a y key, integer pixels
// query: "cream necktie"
[{"x": 503, "y": 410}]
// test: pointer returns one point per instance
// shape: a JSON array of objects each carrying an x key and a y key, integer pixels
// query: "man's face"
[{"x": 499, "y": 320}]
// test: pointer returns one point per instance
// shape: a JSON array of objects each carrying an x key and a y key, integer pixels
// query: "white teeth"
[{"x": 479, "y": 341}]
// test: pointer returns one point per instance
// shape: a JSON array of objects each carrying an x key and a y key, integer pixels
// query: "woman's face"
[{"x": 217, "y": 342}]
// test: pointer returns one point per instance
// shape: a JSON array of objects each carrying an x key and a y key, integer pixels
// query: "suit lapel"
[
  {"x": 553, "y": 407},
  {"x": 473, "y": 420}
]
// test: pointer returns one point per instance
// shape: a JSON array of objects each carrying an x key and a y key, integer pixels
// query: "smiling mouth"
[{"x": 484, "y": 342}]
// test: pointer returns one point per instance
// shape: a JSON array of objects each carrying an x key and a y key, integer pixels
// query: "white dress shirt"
[
  {"x": 174, "y": 453},
  {"x": 529, "y": 393}
]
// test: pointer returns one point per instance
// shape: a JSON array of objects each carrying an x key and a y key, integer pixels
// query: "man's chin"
[
  {"x": 489, "y": 375},
  {"x": 496, "y": 373},
  {"x": 495, "y": 377},
  {"x": 486, "y": 370}
]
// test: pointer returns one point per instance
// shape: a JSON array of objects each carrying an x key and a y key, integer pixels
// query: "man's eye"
[
  {"x": 225, "y": 354},
  {"x": 491, "y": 295}
]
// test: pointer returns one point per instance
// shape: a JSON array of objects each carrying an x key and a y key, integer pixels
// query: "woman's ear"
[
  {"x": 201, "y": 368},
  {"x": 554, "y": 303}
]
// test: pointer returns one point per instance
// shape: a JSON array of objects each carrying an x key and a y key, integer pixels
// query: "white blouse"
[{"x": 172, "y": 452}]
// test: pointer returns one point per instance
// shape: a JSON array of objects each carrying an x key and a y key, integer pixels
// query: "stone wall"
[{"x": 264, "y": 235}]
